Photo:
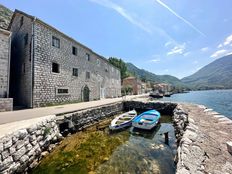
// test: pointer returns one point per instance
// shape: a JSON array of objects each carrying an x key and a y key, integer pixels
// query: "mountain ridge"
[
  {"x": 215, "y": 75},
  {"x": 149, "y": 76}
]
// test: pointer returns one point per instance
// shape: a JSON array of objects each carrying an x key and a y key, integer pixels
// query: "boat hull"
[
  {"x": 127, "y": 123},
  {"x": 147, "y": 120},
  {"x": 145, "y": 126}
]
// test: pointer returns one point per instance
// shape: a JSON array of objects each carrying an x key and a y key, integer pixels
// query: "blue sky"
[{"x": 175, "y": 37}]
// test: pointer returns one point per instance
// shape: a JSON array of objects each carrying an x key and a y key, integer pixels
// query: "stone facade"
[
  {"x": 6, "y": 104},
  {"x": 5, "y": 45},
  {"x": 55, "y": 68},
  {"x": 22, "y": 149},
  {"x": 134, "y": 83}
]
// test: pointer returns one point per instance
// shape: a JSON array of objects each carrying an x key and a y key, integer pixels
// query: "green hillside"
[
  {"x": 216, "y": 75},
  {"x": 143, "y": 74},
  {"x": 5, "y": 17}
]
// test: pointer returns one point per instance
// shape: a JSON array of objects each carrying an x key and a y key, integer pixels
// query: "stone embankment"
[
  {"x": 79, "y": 120},
  {"x": 202, "y": 137},
  {"x": 21, "y": 149}
]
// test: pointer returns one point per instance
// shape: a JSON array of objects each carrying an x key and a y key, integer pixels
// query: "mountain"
[
  {"x": 5, "y": 17},
  {"x": 216, "y": 75},
  {"x": 143, "y": 74}
]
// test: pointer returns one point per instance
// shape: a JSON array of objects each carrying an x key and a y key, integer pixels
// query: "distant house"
[
  {"x": 162, "y": 87},
  {"x": 134, "y": 83},
  {"x": 49, "y": 67}
]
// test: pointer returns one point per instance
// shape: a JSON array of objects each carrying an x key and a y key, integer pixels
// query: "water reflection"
[
  {"x": 127, "y": 151},
  {"x": 144, "y": 152}
]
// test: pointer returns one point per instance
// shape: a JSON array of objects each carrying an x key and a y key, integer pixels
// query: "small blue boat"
[{"x": 147, "y": 120}]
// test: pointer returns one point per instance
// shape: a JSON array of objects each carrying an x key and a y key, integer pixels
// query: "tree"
[{"x": 121, "y": 65}]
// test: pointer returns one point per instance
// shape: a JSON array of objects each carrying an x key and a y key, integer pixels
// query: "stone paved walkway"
[
  {"x": 13, "y": 116},
  {"x": 208, "y": 134}
]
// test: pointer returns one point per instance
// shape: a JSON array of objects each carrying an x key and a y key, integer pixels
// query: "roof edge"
[{"x": 65, "y": 35}]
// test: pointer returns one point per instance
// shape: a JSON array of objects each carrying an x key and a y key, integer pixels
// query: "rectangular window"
[
  {"x": 55, "y": 42},
  {"x": 106, "y": 68},
  {"x": 74, "y": 51},
  {"x": 21, "y": 21},
  {"x": 62, "y": 91},
  {"x": 75, "y": 72},
  {"x": 26, "y": 39},
  {"x": 98, "y": 62},
  {"x": 87, "y": 57},
  {"x": 87, "y": 75},
  {"x": 55, "y": 67}
]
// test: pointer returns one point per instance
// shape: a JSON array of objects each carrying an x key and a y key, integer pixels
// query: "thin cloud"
[
  {"x": 154, "y": 60},
  {"x": 228, "y": 40},
  {"x": 180, "y": 17},
  {"x": 204, "y": 49},
  {"x": 220, "y": 46},
  {"x": 167, "y": 43},
  {"x": 133, "y": 20},
  {"x": 120, "y": 10},
  {"x": 220, "y": 53},
  {"x": 186, "y": 54},
  {"x": 179, "y": 49}
]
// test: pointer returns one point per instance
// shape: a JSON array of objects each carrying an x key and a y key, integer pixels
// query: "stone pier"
[{"x": 203, "y": 137}]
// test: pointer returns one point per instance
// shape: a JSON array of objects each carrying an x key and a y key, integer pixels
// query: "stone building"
[
  {"x": 133, "y": 83},
  {"x": 6, "y": 104},
  {"x": 49, "y": 67},
  {"x": 4, "y": 62},
  {"x": 162, "y": 88}
]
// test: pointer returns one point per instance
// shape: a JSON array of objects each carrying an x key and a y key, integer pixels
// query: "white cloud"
[
  {"x": 154, "y": 60},
  {"x": 220, "y": 53},
  {"x": 179, "y": 49},
  {"x": 220, "y": 46},
  {"x": 168, "y": 43},
  {"x": 228, "y": 40},
  {"x": 204, "y": 49},
  {"x": 195, "y": 62},
  {"x": 124, "y": 13},
  {"x": 166, "y": 70},
  {"x": 180, "y": 17}
]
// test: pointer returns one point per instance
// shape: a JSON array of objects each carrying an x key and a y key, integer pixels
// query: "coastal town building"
[
  {"x": 5, "y": 45},
  {"x": 49, "y": 67},
  {"x": 162, "y": 87},
  {"x": 133, "y": 83}
]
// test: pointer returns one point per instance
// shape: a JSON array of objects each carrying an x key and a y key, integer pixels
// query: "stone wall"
[
  {"x": 5, "y": 39},
  {"x": 21, "y": 62},
  {"x": 6, "y": 104},
  {"x": 104, "y": 78},
  {"x": 165, "y": 108},
  {"x": 72, "y": 122},
  {"x": 180, "y": 121},
  {"x": 21, "y": 150}
]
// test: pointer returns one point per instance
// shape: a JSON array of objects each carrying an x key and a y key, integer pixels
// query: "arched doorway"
[{"x": 86, "y": 92}]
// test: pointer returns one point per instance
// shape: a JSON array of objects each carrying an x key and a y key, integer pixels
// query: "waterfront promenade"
[{"x": 13, "y": 116}]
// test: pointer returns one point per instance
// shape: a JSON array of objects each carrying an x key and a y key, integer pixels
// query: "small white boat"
[{"x": 123, "y": 120}]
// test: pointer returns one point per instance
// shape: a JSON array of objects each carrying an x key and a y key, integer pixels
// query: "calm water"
[
  {"x": 219, "y": 100},
  {"x": 96, "y": 152}
]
